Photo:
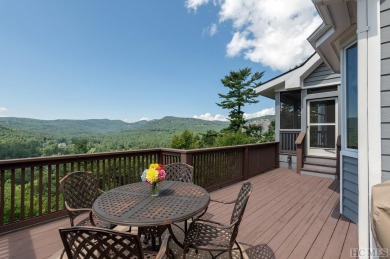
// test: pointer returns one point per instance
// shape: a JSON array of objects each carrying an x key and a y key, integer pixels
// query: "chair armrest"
[
  {"x": 223, "y": 202},
  {"x": 76, "y": 210},
  {"x": 164, "y": 248},
  {"x": 213, "y": 223}
]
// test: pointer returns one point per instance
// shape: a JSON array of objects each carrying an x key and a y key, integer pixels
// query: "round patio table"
[{"x": 133, "y": 205}]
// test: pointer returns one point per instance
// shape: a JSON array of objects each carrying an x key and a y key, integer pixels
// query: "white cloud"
[
  {"x": 264, "y": 112},
  {"x": 130, "y": 121},
  {"x": 218, "y": 117},
  {"x": 194, "y": 4},
  {"x": 210, "y": 30},
  {"x": 272, "y": 33},
  {"x": 3, "y": 110},
  {"x": 208, "y": 117}
]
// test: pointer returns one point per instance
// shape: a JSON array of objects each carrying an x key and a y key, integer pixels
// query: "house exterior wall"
[
  {"x": 385, "y": 87},
  {"x": 349, "y": 187},
  {"x": 322, "y": 75}
]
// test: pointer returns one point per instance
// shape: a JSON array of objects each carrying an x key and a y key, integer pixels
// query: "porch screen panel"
[
  {"x": 290, "y": 110},
  {"x": 322, "y": 124}
]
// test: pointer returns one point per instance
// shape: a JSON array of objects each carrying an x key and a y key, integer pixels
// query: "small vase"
[{"x": 154, "y": 190}]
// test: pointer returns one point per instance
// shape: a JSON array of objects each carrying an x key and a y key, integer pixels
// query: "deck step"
[
  {"x": 328, "y": 173},
  {"x": 320, "y": 159},
  {"x": 320, "y": 166}
]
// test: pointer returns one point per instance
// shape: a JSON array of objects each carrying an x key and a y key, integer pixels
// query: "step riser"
[
  {"x": 331, "y": 176},
  {"x": 321, "y": 160},
  {"x": 319, "y": 167}
]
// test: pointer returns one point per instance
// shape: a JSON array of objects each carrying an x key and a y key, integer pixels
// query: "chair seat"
[
  {"x": 98, "y": 223},
  {"x": 212, "y": 237}
]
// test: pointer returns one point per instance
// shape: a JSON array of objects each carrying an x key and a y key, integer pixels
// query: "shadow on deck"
[{"x": 288, "y": 216}]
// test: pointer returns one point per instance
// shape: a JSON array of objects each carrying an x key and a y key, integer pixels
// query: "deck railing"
[
  {"x": 287, "y": 141},
  {"x": 29, "y": 188}
]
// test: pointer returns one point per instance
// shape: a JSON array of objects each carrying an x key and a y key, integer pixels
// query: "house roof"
[
  {"x": 339, "y": 22},
  {"x": 292, "y": 79}
]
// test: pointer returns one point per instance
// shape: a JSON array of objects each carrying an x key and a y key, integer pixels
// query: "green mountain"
[
  {"x": 65, "y": 127},
  {"x": 77, "y": 128},
  {"x": 23, "y": 137}
]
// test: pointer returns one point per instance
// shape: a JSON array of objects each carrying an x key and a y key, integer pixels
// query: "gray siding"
[
  {"x": 321, "y": 75},
  {"x": 385, "y": 88},
  {"x": 350, "y": 188}
]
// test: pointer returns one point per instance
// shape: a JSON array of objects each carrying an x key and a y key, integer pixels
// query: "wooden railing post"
[
  {"x": 299, "y": 142},
  {"x": 245, "y": 163},
  {"x": 186, "y": 158},
  {"x": 338, "y": 149},
  {"x": 277, "y": 155}
]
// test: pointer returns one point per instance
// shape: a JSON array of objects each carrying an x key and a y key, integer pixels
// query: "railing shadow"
[{"x": 335, "y": 186}]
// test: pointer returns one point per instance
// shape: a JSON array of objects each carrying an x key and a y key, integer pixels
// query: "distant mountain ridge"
[
  {"x": 77, "y": 128},
  {"x": 23, "y": 137}
]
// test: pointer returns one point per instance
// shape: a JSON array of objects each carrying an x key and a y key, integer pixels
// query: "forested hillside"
[{"x": 22, "y": 137}]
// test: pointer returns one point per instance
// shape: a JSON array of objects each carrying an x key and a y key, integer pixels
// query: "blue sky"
[{"x": 129, "y": 60}]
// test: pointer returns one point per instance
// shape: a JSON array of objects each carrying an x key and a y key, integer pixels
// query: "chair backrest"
[
  {"x": 92, "y": 242},
  {"x": 80, "y": 190},
  {"x": 179, "y": 172},
  {"x": 239, "y": 207}
]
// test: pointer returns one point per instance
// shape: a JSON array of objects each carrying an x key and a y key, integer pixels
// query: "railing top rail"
[
  {"x": 300, "y": 138},
  {"x": 38, "y": 161},
  {"x": 181, "y": 151},
  {"x": 78, "y": 157},
  {"x": 289, "y": 130}
]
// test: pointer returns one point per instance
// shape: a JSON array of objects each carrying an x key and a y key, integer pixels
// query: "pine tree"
[{"x": 241, "y": 85}]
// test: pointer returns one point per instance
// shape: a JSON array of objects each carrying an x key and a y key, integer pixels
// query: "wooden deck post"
[
  {"x": 245, "y": 163},
  {"x": 338, "y": 149},
  {"x": 186, "y": 158},
  {"x": 299, "y": 142},
  {"x": 277, "y": 155}
]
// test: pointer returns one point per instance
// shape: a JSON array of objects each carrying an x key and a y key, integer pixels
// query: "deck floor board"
[{"x": 288, "y": 216}]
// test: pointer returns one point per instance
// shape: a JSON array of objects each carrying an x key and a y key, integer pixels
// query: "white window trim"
[
  {"x": 343, "y": 107},
  {"x": 345, "y": 152}
]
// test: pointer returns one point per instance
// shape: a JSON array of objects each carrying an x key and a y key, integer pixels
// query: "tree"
[
  {"x": 187, "y": 140},
  {"x": 270, "y": 134},
  {"x": 208, "y": 138},
  {"x": 233, "y": 138},
  {"x": 241, "y": 85}
]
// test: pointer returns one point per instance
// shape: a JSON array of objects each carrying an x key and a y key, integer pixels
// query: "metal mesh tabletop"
[{"x": 132, "y": 204}]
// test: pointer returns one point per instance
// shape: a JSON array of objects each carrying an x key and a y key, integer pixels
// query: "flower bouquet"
[{"x": 154, "y": 175}]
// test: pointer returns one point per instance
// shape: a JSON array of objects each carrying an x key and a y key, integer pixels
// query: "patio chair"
[
  {"x": 92, "y": 242},
  {"x": 214, "y": 236},
  {"x": 174, "y": 172},
  {"x": 179, "y": 172},
  {"x": 80, "y": 190}
]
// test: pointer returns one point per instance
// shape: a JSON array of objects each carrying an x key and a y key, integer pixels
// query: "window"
[
  {"x": 290, "y": 110},
  {"x": 351, "y": 97}
]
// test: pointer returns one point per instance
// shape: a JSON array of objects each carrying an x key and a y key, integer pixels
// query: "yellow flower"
[
  {"x": 152, "y": 175},
  {"x": 153, "y": 166}
]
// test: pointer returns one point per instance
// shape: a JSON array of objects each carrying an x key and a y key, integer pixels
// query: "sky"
[{"x": 133, "y": 60}]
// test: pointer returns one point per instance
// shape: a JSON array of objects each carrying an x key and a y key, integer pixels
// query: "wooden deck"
[{"x": 288, "y": 216}]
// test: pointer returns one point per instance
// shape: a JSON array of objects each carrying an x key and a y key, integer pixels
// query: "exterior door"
[{"x": 322, "y": 127}]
